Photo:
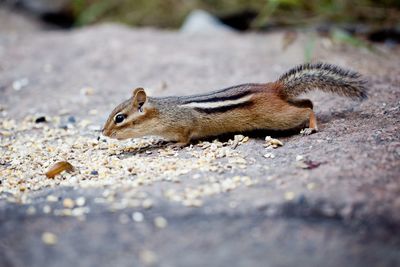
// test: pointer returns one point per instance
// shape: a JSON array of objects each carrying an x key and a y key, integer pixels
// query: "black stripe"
[
  {"x": 243, "y": 90},
  {"x": 224, "y": 108},
  {"x": 220, "y": 99}
]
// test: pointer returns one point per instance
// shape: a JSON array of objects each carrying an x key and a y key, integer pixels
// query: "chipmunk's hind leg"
[{"x": 307, "y": 104}]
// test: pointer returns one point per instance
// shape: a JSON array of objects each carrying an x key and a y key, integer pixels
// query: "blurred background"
[{"x": 373, "y": 20}]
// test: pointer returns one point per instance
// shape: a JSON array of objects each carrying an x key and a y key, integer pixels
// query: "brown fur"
[{"x": 270, "y": 106}]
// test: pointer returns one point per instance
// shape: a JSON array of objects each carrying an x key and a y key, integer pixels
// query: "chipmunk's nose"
[{"x": 102, "y": 138}]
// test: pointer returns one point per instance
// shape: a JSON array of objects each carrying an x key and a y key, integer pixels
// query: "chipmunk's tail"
[{"x": 324, "y": 77}]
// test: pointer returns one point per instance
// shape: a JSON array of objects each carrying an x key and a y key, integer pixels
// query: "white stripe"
[
  {"x": 218, "y": 104},
  {"x": 321, "y": 72}
]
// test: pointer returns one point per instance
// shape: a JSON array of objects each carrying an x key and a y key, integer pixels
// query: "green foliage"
[
  {"x": 309, "y": 47},
  {"x": 171, "y": 13},
  {"x": 344, "y": 37},
  {"x": 161, "y": 13}
]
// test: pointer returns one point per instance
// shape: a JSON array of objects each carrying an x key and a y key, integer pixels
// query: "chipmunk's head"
[{"x": 132, "y": 118}]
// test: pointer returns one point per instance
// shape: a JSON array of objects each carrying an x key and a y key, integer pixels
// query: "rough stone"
[{"x": 267, "y": 212}]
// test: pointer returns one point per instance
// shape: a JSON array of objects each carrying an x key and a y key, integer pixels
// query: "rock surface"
[{"x": 345, "y": 212}]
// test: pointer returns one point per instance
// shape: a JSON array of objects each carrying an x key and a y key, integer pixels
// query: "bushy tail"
[{"x": 324, "y": 77}]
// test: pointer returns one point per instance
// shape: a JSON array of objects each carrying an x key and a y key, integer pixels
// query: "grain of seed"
[
  {"x": 93, "y": 112},
  {"x": 289, "y": 196},
  {"x": 148, "y": 257},
  {"x": 147, "y": 203},
  {"x": 160, "y": 222},
  {"x": 51, "y": 198},
  {"x": 269, "y": 156},
  {"x": 68, "y": 203},
  {"x": 137, "y": 216},
  {"x": 46, "y": 209},
  {"x": 310, "y": 186},
  {"x": 49, "y": 238},
  {"x": 80, "y": 201},
  {"x": 87, "y": 91},
  {"x": 272, "y": 142},
  {"x": 31, "y": 210}
]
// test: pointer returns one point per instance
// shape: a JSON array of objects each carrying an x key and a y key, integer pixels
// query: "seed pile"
[{"x": 30, "y": 149}]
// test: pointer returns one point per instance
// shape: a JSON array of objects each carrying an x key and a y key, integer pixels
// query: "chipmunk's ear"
[{"x": 139, "y": 98}]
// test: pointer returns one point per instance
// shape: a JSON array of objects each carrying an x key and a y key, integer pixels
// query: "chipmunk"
[{"x": 246, "y": 107}]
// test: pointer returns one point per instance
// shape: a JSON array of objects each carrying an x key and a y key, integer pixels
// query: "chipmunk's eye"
[{"x": 119, "y": 118}]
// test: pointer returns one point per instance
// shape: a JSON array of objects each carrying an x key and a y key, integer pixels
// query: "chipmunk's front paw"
[
  {"x": 308, "y": 131},
  {"x": 179, "y": 145},
  {"x": 160, "y": 142}
]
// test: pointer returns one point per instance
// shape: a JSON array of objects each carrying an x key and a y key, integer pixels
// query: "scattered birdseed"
[
  {"x": 51, "y": 198},
  {"x": 310, "y": 186},
  {"x": 239, "y": 139},
  {"x": 68, "y": 203},
  {"x": 19, "y": 84},
  {"x": 272, "y": 143},
  {"x": 80, "y": 201},
  {"x": 289, "y": 196},
  {"x": 137, "y": 216},
  {"x": 192, "y": 196},
  {"x": 147, "y": 203},
  {"x": 80, "y": 212},
  {"x": 87, "y": 91},
  {"x": 31, "y": 210},
  {"x": 148, "y": 257},
  {"x": 46, "y": 209},
  {"x": 93, "y": 112},
  {"x": 160, "y": 222},
  {"x": 269, "y": 156},
  {"x": 28, "y": 149},
  {"x": 49, "y": 238}
]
